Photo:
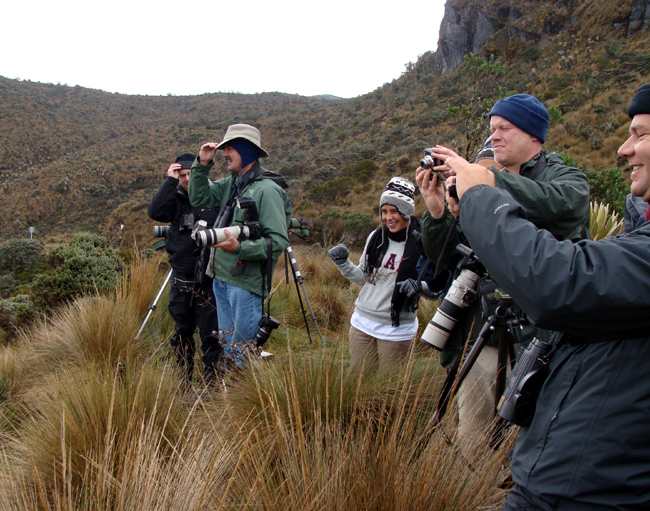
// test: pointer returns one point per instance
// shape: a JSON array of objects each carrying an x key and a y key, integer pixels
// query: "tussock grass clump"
[
  {"x": 94, "y": 329},
  {"x": 83, "y": 420},
  {"x": 335, "y": 305},
  {"x": 321, "y": 438},
  {"x": 140, "y": 283}
]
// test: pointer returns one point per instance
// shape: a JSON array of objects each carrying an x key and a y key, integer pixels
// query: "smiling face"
[
  {"x": 637, "y": 151},
  {"x": 391, "y": 218},
  {"x": 512, "y": 146},
  {"x": 232, "y": 158}
]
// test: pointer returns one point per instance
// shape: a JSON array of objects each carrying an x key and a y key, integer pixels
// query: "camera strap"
[
  {"x": 557, "y": 341},
  {"x": 268, "y": 273},
  {"x": 540, "y": 165}
]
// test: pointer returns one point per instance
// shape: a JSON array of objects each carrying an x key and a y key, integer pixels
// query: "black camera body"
[
  {"x": 519, "y": 400},
  {"x": 266, "y": 326},
  {"x": 187, "y": 222}
]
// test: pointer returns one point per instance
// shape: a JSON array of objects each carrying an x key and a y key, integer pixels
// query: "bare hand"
[
  {"x": 432, "y": 191},
  {"x": 207, "y": 152},
  {"x": 443, "y": 153},
  {"x": 173, "y": 170},
  {"x": 468, "y": 175},
  {"x": 229, "y": 245}
]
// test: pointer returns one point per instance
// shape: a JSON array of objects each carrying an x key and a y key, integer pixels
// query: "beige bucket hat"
[{"x": 244, "y": 131}]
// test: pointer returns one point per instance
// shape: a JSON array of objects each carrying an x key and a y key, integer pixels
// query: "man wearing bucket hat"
[
  {"x": 239, "y": 266},
  {"x": 191, "y": 301},
  {"x": 555, "y": 196}
]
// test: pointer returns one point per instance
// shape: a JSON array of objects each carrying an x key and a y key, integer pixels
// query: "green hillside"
[{"x": 79, "y": 159}]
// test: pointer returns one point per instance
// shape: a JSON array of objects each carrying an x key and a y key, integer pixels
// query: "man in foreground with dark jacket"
[
  {"x": 191, "y": 301},
  {"x": 555, "y": 197},
  {"x": 587, "y": 446}
]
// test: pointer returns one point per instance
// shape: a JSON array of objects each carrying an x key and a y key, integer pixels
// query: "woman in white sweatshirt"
[{"x": 384, "y": 321}]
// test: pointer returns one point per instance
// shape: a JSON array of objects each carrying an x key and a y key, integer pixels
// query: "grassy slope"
[{"x": 75, "y": 158}]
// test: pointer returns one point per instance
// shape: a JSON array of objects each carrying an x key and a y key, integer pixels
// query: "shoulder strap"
[
  {"x": 269, "y": 265},
  {"x": 540, "y": 165}
]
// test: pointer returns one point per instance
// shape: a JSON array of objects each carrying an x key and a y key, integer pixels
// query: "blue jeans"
[{"x": 239, "y": 313}]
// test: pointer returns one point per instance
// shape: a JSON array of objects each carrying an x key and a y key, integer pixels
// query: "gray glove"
[
  {"x": 339, "y": 254},
  {"x": 410, "y": 287}
]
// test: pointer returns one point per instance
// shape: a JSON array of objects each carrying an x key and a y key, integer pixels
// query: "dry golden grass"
[
  {"x": 140, "y": 283},
  {"x": 93, "y": 420},
  {"x": 94, "y": 329}
]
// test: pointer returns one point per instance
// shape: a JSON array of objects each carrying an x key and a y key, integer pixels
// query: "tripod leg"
[
  {"x": 506, "y": 350},
  {"x": 500, "y": 385},
  {"x": 152, "y": 307},
  {"x": 302, "y": 307},
  {"x": 297, "y": 277},
  {"x": 454, "y": 378}
]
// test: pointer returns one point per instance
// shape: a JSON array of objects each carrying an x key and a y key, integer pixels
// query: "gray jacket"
[
  {"x": 635, "y": 208},
  {"x": 587, "y": 447}
]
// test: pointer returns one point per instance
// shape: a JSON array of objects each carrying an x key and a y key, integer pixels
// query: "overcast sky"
[{"x": 340, "y": 47}]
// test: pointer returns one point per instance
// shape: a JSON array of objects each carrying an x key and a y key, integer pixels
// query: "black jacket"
[
  {"x": 171, "y": 204},
  {"x": 587, "y": 447}
]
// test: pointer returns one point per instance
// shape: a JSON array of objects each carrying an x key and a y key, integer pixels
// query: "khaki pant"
[
  {"x": 370, "y": 353},
  {"x": 476, "y": 396}
]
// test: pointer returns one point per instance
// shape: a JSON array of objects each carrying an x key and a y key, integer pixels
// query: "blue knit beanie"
[
  {"x": 524, "y": 111},
  {"x": 248, "y": 151}
]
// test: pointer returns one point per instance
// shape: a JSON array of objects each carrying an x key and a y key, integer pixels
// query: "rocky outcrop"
[
  {"x": 461, "y": 32},
  {"x": 640, "y": 17},
  {"x": 504, "y": 28}
]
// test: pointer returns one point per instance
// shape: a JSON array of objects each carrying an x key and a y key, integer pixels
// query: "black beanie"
[
  {"x": 186, "y": 160},
  {"x": 640, "y": 102}
]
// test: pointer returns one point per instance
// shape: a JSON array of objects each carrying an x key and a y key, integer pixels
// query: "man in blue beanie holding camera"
[{"x": 555, "y": 197}]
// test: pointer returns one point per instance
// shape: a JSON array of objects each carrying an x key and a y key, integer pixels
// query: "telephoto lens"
[
  {"x": 211, "y": 237},
  {"x": 460, "y": 295},
  {"x": 160, "y": 231},
  {"x": 201, "y": 225}
]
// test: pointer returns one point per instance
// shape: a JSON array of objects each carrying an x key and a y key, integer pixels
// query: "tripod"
[
  {"x": 299, "y": 281},
  {"x": 504, "y": 321},
  {"x": 153, "y": 306}
]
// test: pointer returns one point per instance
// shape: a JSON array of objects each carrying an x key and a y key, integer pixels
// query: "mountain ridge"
[{"x": 81, "y": 159}]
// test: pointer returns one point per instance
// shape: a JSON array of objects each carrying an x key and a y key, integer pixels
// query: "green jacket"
[
  {"x": 557, "y": 200},
  {"x": 275, "y": 214}
]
